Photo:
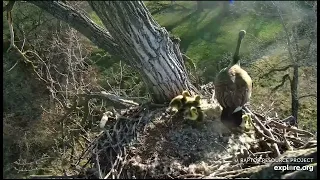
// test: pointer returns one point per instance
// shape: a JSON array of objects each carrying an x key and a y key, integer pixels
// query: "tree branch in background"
[
  {"x": 81, "y": 23},
  {"x": 309, "y": 95},
  {"x": 308, "y": 48},
  {"x": 276, "y": 70},
  {"x": 286, "y": 31},
  {"x": 193, "y": 66},
  {"x": 284, "y": 78},
  {"x": 189, "y": 61},
  {"x": 295, "y": 42},
  {"x": 10, "y": 23},
  {"x": 12, "y": 44}
]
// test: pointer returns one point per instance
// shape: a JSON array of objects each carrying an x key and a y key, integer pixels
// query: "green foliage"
[{"x": 208, "y": 36}]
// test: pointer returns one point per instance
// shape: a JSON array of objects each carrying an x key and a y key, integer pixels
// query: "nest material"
[
  {"x": 143, "y": 143},
  {"x": 140, "y": 142}
]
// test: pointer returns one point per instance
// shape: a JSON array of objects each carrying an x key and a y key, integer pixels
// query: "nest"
[{"x": 145, "y": 143}]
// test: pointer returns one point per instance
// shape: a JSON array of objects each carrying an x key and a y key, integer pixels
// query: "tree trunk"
[
  {"x": 295, "y": 78},
  {"x": 137, "y": 38},
  {"x": 294, "y": 93},
  {"x": 145, "y": 45}
]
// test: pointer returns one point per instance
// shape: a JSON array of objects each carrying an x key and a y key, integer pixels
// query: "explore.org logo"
[{"x": 293, "y": 168}]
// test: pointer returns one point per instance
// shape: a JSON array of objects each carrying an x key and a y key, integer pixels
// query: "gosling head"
[
  {"x": 194, "y": 112},
  {"x": 186, "y": 94},
  {"x": 193, "y": 109},
  {"x": 246, "y": 121},
  {"x": 197, "y": 98}
]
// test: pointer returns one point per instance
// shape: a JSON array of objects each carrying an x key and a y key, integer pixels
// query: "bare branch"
[
  {"x": 289, "y": 128},
  {"x": 295, "y": 41},
  {"x": 113, "y": 99},
  {"x": 288, "y": 119},
  {"x": 309, "y": 95},
  {"x": 267, "y": 131},
  {"x": 12, "y": 45},
  {"x": 308, "y": 48},
  {"x": 54, "y": 177},
  {"x": 81, "y": 23},
  {"x": 10, "y": 23},
  {"x": 276, "y": 70},
  {"x": 284, "y": 78}
]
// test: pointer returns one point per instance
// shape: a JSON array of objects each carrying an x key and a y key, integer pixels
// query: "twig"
[
  {"x": 261, "y": 153},
  {"x": 22, "y": 54},
  {"x": 309, "y": 95},
  {"x": 265, "y": 136},
  {"x": 284, "y": 78},
  {"x": 274, "y": 70},
  {"x": 97, "y": 162},
  {"x": 294, "y": 139},
  {"x": 54, "y": 177},
  {"x": 116, "y": 101},
  {"x": 287, "y": 143},
  {"x": 265, "y": 130},
  {"x": 122, "y": 163},
  {"x": 287, "y": 119},
  {"x": 279, "y": 125},
  {"x": 91, "y": 145},
  {"x": 13, "y": 66},
  {"x": 112, "y": 168},
  {"x": 184, "y": 176},
  {"x": 259, "y": 115}
]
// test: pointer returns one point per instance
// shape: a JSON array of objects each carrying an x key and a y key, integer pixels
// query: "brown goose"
[{"x": 233, "y": 88}]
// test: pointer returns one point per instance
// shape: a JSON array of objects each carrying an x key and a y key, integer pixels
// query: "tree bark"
[
  {"x": 145, "y": 45},
  {"x": 136, "y": 37}
]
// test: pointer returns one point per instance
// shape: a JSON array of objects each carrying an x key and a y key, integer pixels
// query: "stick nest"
[{"x": 145, "y": 143}]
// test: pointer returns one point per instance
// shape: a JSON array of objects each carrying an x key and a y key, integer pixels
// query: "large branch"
[
  {"x": 284, "y": 79},
  {"x": 79, "y": 21}
]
